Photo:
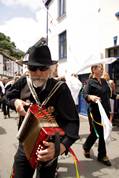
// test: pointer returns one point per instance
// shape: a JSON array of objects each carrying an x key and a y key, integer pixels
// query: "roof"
[{"x": 10, "y": 57}]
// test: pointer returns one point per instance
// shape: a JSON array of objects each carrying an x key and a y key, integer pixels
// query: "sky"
[{"x": 24, "y": 21}]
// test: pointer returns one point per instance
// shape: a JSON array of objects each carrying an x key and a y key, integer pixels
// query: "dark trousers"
[
  {"x": 22, "y": 168},
  {"x": 95, "y": 129},
  {"x": 5, "y": 109}
]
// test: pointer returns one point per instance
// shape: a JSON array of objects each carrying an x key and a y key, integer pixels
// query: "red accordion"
[{"x": 36, "y": 127}]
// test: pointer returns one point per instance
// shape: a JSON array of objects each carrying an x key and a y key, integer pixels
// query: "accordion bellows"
[{"x": 36, "y": 127}]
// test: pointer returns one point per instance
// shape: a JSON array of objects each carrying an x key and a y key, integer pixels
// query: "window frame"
[
  {"x": 63, "y": 45},
  {"x": 62, "y": 8}
]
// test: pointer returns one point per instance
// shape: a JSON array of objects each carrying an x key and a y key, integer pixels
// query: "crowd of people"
[
  {"x": 5, "y": 84},
  {"x": 42, "y": 73}
]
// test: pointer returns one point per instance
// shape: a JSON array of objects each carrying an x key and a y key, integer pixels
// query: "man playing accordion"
[{"x": 61, "y": 105}]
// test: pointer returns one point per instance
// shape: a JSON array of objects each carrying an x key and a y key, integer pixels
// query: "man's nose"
[{"x": 38, "y": 72}]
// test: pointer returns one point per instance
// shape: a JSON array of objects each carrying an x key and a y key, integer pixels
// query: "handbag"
[{"x": 39, "y": 125}]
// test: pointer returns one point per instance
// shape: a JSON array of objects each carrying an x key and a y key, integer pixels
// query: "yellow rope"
[
  {"x": 94, "y": 120},
  {"x": 76, "y": 168}
]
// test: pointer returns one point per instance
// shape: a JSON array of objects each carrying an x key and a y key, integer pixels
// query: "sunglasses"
[{"x": 35, "y": 68}]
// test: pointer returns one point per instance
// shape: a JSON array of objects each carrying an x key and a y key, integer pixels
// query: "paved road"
[{"x": 89, "y": 168}]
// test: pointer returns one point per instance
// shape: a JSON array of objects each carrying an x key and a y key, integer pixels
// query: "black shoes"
[
  {"x": 105, "y": 160},
  {"x": 86, "y": 153},
  {"x": 5, "y": 116}
]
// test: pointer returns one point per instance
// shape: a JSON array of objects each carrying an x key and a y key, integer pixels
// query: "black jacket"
[
  {"x": 93, "y": 87},
  {"x": 65, "y": 110}
]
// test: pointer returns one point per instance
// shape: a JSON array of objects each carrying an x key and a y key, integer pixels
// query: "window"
[
  {"x": 117, "y": 14},
  {"x": 114, "y": 67},
  {"x": 4, "y": 63},
  {"x": 62, "y": 46},
  {"x": 62, "y": 7},
  {"x": 113, "y": 52}
]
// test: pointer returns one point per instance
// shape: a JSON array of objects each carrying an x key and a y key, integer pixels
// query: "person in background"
[
  {"x": 54, "y": 71},
  {"x": 65, "y": 113},
  {"x": 97, "y": 89},
  {"x": 112, "y": 90},
  {"x": 2, "y": 91},
  {"x": 72, "y": 81},
  {"x": 8, "y": 84},
  {"x": 75, "y": 86},
  {"x": 5, "y": 108}
]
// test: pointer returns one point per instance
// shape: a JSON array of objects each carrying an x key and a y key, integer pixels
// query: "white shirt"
[
  {"x": 2, "y": 86},
  {"x": 75, "y": 86}
]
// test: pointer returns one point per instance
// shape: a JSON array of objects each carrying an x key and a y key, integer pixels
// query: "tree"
[{"x": 9, "y": 47}]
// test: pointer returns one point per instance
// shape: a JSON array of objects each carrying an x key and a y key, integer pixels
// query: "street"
[{"x": 88, "y": 168}]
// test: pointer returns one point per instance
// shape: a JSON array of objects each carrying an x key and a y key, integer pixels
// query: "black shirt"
[
  {"x": 65, "y": 111},
  {"x": 100, "y": 89}
]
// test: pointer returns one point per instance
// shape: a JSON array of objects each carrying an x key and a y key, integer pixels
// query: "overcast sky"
[{"x": 24, "y": 21}]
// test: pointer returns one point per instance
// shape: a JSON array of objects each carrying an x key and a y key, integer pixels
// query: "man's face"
[{"x": 39, "y": 76}]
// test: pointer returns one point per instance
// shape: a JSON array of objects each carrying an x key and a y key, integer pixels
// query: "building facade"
[
  {"x": 77, "y": 30},
  {"x": 9, "y": 66}
]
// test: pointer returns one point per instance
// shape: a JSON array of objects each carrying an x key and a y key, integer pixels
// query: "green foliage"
[
  {"x": 9, "y": 47},
  {"x": 2, "y": 36},
  {"x": 6, "y": 45}
]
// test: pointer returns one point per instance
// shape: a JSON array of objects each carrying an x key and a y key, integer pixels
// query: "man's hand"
[
  {"x": 48, "y": 153},
  {"x": 19, "y": 105}
]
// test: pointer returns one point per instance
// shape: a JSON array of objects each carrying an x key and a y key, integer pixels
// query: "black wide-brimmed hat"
[{"x": 40, "y": 56}]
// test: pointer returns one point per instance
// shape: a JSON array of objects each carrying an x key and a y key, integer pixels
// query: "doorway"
[{"x": 114, "y": 75}]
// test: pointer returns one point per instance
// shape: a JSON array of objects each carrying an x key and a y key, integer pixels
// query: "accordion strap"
[
  {"x": 54, "y": 89},
  {"x": 33, "y": 92}
]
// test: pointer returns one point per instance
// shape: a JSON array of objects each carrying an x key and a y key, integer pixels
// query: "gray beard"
[{"x": 38, "y": 82}]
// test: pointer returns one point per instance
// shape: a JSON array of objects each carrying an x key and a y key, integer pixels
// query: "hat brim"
[{"x": 38, "y": 64}]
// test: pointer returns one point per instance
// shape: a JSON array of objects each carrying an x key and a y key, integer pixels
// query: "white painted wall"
[
  {"x": 1, "y": 64},
  {"x": 91, "y": 26},
  {"x": 109, "y": 24}
]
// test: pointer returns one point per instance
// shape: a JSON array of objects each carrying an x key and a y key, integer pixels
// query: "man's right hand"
[{"x": 19, "y": 105}]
